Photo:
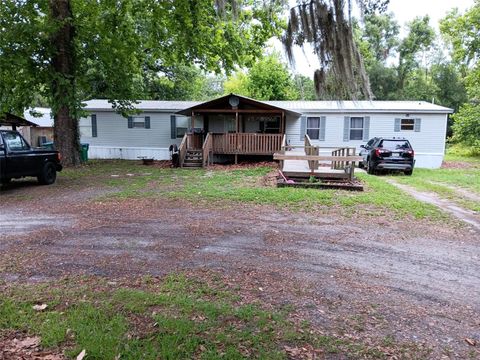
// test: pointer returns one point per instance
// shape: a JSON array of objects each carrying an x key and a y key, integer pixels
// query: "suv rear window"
[{"x": 395, "y": 145}]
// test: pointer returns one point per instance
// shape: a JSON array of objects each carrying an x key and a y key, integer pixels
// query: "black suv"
[{"x": 388, "y": 154}]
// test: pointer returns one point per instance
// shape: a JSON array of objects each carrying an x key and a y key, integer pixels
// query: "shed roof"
[
  {"x": 293, "y": 106},
  {"x": 8, "y": 119}
]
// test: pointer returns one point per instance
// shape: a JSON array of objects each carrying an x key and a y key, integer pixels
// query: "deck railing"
[
  {"x": 344, "y": 151},
  {"x": 207, "y": 150},
  {"x": 194, "y": 141},
  {"x": 311, "y": 150},
  {"x": 247, "y": 143},
  {"x": 182, "y": 150}
]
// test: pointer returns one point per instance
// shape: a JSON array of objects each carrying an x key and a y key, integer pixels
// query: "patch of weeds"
[{"x": 177, "y": 317}]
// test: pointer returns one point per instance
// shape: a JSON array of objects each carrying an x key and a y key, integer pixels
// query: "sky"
[{"x": 404, "y": 11}]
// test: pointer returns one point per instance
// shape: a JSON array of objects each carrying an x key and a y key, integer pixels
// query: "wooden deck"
[{"x": 301, "y": 168}]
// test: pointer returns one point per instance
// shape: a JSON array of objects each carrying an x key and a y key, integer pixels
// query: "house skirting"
[
  {"x": 127, "y": 153},
  {"x": 422, "y": 160}
]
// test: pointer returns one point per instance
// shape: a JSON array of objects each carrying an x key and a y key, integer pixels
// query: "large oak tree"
[{"x": 63, "y": 49}]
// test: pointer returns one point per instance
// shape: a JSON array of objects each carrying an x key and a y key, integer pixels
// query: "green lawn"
[
  {"x": 246, "y": 186},
  {"x": 444, "y": 182},
  {"x": 172, "y": 318}
]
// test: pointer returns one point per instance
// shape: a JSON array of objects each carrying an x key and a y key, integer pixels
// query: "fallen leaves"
[
  {"x": 471, "y": 342},
  {"x": 27, "y": 348},
  {"x": 40, "y": 307},
  {"x": 82, "y": 354}
]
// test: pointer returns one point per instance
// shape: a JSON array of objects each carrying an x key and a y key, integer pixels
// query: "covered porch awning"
[
  {"x": 238, "y": 107},
  {"x": 14, "y": 121}
]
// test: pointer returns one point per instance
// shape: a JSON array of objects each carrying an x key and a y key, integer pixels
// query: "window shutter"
[
  {"x": 303, "y": 127},
  {"x": 147, "y": 122},
  {"x": 397, "y": 124},
  {"x": 173, "y": 126},
  {"x": 346, "y": 128},
  {"x": 130, "y": 122},
  {"x": 366, "y": 128},
  {"x": 323, "y": 121},
  {"x": 418, "y": 125},
  {"x": 94, "y": 125}
]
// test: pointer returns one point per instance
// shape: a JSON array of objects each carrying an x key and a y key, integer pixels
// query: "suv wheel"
[
  {"x": 408, "y": 172},
  {"x": 48, "y": 174},
  {"x": 370, "y": 167}
]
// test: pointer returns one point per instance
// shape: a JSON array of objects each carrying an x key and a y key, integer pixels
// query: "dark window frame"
[
  {"x": 356, "y": 129},
  {"x": 317, "y": 129},
  {"x": 407, "y": 127}
]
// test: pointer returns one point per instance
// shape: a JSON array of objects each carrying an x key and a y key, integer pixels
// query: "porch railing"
[
  {"x": 246, "y": 143},
  {"x": 194, "y": 141},
  {"x": 182, "y": 150},
  {"x": 207, "y": 150}
]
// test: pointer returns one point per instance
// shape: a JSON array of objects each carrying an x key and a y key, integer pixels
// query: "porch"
[
  {"x": 196, "y": 147},
  {"x": 231, "y": 126}
]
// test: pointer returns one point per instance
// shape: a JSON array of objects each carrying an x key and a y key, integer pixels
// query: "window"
[
  {"x": 407, "y": 124},
  {"x": 313, "y": 127},
  {"x": 356, "y": 128},
  {"x": 393, "y": 145},
  {"x": 88, "y": 126},
  {"x": 15, "y": 142},
  {"x": 181, "y": 125},
  {"x": 138, "y": 122}
]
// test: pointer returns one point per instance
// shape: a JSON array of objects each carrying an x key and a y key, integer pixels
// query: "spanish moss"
[{"x": 324, "y": 25}]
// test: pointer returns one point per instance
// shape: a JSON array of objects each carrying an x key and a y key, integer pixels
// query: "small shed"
[{"x": 42, "y": 132}]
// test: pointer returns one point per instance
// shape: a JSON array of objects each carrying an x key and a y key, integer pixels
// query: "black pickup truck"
[{"x": 18, "y": 159}]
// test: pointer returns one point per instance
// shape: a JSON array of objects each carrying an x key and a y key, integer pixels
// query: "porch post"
[
  {"x": 193, "y": 120},
  {"x": 236, "y": 137},
  {"x": 282, "y": 123}
]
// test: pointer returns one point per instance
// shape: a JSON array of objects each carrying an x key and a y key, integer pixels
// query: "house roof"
[
  {"x": 145, "y": 105},
  {"x": 361, "y": 106},
  {"x": 291, "y": 106},
  {"x": 244, "y": 103},
  {"x": 43, "y": 120}
]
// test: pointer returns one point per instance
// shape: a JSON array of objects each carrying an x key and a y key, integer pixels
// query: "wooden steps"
[{"x": 193, "y": 159}]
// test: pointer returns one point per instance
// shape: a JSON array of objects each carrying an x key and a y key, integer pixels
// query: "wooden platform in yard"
[{"x": 300, "y": 168}]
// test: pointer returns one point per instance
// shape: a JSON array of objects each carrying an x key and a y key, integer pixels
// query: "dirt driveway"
[{"x": 372, "y": 278}]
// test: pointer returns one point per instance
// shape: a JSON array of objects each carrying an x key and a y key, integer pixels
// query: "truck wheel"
[
  {"x": 5, "y": 181},
  {"x": 408, "y": 172},
  {"x": 48, "y": 174}
]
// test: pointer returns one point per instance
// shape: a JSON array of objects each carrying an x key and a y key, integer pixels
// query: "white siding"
[
  {"x": 428, "y": 143},
  {"x": 116, "y": 141}
]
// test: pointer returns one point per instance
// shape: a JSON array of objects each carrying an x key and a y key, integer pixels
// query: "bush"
[{"x": 466, "y": 126}]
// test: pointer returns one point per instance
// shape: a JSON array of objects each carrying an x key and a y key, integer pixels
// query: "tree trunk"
[{"x": 66, "y": 134}]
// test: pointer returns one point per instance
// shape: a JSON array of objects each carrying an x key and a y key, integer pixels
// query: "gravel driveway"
[{"x": 372, "y": 278}]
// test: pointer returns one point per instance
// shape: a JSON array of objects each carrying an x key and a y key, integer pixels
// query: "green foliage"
[
  {"x": 305, "y": 87},
  {"x": 111, "y": 44},
  {"x": 419, "y": 39},
  {"x": 182, "y": 83},
  {"x": 462, "y": 32},
  {"x": 268, "y": 79},
  {"x": 381, "y": 35},
  {"x": 466, "y": 126}
]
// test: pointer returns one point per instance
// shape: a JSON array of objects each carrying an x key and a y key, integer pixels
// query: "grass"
[
  {"x": 444, "y": 182},
  {"x": 463, "y": 154},
  {"x": 173, "y": 318},
  {"x": 245, "y": 186}
]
